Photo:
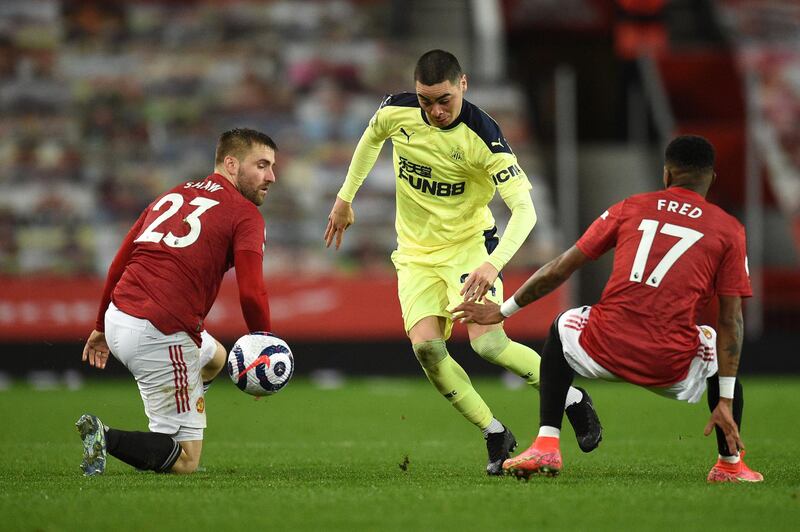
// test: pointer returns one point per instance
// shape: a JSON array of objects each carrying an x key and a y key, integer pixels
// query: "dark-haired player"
[
  {"x": 450, "y": 158},
  {"x": 674, "y": 251},
  {"x": 160, "y": 286}
]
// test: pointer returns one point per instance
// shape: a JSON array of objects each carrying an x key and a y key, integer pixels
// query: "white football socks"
[{"x": 494, "y": 427}]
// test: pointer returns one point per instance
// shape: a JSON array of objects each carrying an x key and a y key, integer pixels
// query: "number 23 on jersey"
[{"x": 192, "y": 219}]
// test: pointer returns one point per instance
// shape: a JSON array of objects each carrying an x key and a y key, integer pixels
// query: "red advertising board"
[{"x": 303, "y": 308}]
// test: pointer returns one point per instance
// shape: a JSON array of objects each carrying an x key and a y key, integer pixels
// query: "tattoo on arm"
[
  {"x": 538, "y": 287},
  {"x": 731, "y": 344}
]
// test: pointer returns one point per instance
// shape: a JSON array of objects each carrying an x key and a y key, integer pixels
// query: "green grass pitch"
[{"x": 317, "y": 459}]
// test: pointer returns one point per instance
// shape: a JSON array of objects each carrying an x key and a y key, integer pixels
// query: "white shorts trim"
[
  {"x": 167, "y": 371},
  {"x": 571, "y": 324}
]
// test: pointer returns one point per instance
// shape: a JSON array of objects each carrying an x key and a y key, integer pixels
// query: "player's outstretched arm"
[
  {"x": 340, "y": 218},
  {"x": 96, "y": 350},
  {"x": 545, "y": 280},
  {"x": 730, "y": 334}
]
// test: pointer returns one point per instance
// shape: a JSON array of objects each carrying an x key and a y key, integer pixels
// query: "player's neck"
[
  {"x": 701, "y": 190},
  {"x": 223, "y": 173}
]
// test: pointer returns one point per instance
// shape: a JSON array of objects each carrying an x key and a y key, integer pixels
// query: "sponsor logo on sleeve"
[{"x": 507, "y": 173}]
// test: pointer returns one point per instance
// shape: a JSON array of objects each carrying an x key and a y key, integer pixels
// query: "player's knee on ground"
[
  {"x": 430, "y": 353},
  {"x": 215, "y": 365},
  {"x": 489, "y": 345},
  {"x": 189, "y": 458}
]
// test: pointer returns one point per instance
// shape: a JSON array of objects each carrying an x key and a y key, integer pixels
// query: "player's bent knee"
[
  {"x": 430, "y": 353},
  {"x": 489, "y": 345}
]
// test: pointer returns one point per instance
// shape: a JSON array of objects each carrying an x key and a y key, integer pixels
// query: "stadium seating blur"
[{"x": 104, "y": 105}]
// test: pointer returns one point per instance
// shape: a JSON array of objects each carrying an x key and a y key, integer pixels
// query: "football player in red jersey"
[
  {"x": 159, "y": 289},
  {"x": 674, "y": 251}
]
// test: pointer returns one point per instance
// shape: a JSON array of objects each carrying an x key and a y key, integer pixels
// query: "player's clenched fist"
[
  {"x": 96, "y": 350},
  {"x": 340, "y": 218}
]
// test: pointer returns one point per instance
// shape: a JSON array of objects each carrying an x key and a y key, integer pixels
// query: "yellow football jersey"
[{"x": 445, "y": 176}]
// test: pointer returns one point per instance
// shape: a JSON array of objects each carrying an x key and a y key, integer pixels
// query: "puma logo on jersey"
[
  {"x": 408, "y": 135},
  {"x": 497, "y": 143}
]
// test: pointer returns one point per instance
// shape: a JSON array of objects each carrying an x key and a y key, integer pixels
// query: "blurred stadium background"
[{"x": 105, "y": 104}]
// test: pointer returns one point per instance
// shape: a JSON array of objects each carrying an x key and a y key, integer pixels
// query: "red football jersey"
[
  {"x": 674, "y": 251},
  {"x": 187, "y": 242}
]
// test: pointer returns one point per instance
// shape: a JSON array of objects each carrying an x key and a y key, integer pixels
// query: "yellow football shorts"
[{"x": 430, "y": 285}]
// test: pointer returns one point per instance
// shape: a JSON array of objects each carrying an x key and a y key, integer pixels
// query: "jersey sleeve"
[
  {"x": 523, "y": 218},
  {"x": 733, "y": 277},
  {"x": 365, "y": 154},
  {"x": 506, "y": 174},
  {"x": 249, "y": 233},
  {"x": 602, "y": 234},
  {"x": 117, "y": 268}
]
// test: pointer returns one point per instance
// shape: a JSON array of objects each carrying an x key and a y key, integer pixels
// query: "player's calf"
[{"x": 149, "y": 451}]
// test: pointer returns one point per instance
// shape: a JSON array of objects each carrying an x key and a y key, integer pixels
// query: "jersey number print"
[
  {"x": 193, "y": 219},
  {"x": 648, "y": 228}
]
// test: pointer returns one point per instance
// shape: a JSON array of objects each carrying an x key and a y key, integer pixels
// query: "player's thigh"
[
  {"x": 475, "y": 330},
  {"x": 422, "y": 293},
  {"x": 426, "y": 329},
  {"x": 167, "y": 373}
]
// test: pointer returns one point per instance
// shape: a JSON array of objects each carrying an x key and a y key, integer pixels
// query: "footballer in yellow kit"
[{"x": 450, "y": 158}]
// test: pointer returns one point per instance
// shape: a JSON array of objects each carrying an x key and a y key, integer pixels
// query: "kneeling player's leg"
[
  {"x": 445, "y": 373},
  {"x": 737, "y": 411},
  {"x": 150, "y": 451},
  {"x": 492, "y": 344}
]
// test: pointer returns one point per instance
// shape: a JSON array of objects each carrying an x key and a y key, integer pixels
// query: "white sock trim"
[
  {"x": 494, "y": 427},
  {"x": 549, "y": 432}
]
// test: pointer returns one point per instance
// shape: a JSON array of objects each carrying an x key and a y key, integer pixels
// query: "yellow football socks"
[
  {"x": 519, "y": 359},
  {"x": 452, "y": 381}
]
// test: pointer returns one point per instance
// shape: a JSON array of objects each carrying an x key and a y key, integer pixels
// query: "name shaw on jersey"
[
  {"x": 204, "y": 185},
  {"x": 420, "y": 178}
]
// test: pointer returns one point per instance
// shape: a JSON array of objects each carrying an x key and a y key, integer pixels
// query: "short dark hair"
[
  {"x": 239, "y": 141},
  {"x": 691, "y": 153},
  {"x": 437, "y": 66}
]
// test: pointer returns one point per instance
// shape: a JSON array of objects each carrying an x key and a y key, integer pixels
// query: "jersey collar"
[{"x": 458, "y": 120}]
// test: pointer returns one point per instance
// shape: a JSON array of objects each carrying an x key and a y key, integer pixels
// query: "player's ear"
[
  {"x": 463, "y": 82},
  {"x": 231, "y": 165},
  {"x": 667, "y": 177}
]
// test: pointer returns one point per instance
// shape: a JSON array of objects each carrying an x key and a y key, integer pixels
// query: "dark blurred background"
[{"x": 104, "y": 105}]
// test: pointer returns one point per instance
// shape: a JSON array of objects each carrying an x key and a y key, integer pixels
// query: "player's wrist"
[
  {"x": 509, "y": 307},
  {"x": 726, "y": 386}
]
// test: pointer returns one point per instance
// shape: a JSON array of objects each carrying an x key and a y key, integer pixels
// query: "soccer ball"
[{"x": 260, "y": 364}]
